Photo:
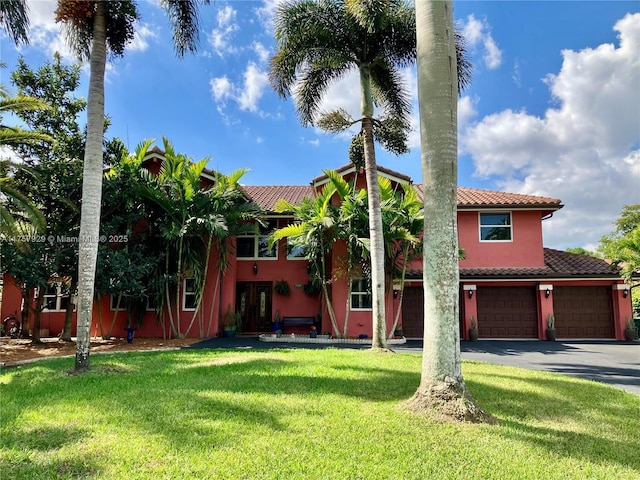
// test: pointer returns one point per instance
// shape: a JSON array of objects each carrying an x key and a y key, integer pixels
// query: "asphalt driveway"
[{"x": 611, "y": 362}]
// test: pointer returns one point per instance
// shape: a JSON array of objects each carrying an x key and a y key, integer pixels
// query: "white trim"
[
  {"x": 184, "y": 296},
  {"x": 545, "y": 287},
  {"x": 621, "y": 286},
  {"x": 469, "y": 287}
]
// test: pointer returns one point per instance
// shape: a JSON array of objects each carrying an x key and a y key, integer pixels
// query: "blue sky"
[{"x": 553, "y": 109}]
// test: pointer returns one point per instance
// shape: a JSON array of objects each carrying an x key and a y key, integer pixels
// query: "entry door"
[{"x": 253, "y": 301}]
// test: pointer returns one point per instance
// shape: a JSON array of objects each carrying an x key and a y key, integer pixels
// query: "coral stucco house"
[{"x": 509, "y": 283}]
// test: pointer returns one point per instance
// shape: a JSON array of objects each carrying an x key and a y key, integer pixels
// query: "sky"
[{"x": 553, "y": 108}]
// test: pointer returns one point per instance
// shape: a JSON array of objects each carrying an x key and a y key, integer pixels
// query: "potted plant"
[
  {"x": 551, "y": 328},
  {"x": 473, "y": 330},
  {"x": 311, "y": 288},
  {"x": 398, "y": 331},
  {"x": 276, "y": 324},
  {"x": 630, "y": 332},
  {"x": 313, "y": 332},
  {"x": 282, "y": 287},
  {"x": 230, "y": 322}
]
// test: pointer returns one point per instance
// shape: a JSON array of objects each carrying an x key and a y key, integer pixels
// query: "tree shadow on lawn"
[
  {"x": 623, "y": 376},
  {"x": 18, "y": 459},
  {"x": 599, "y": 408}
]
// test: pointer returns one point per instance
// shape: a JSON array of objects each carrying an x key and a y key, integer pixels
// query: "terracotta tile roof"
[
  {"x": 558, "y": 264},
  {"x": 576, "y": 264},
  {"x": 267, "y": 196},
  {"x": 388, "y": 171},
  {"x": 469, "y": 198}
]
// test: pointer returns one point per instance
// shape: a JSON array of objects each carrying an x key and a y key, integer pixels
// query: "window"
[
  {"x": 56, "y": 297},
  {"x": 361, "y": 294},
  {"x": 189, "y": 300},
  {"x": 150, "y": 306},
  {"x": 495, "y": 227},
  {"x": 255, "y": 245}
]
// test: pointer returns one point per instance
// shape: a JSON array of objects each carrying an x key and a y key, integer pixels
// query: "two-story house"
[{"x": 509, "y": 283}]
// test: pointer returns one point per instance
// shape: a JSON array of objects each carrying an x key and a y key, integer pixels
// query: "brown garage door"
[
  {"x": 583, "y": 312},
  {"x": 413, "y": 312},
  {"x": 507, "y": 312}
]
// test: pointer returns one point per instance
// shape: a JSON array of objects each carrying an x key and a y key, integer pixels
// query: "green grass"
[{"x": 296, "y": 414}]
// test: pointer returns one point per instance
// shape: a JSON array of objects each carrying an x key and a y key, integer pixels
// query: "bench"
[{"x": 299, "y": 322}]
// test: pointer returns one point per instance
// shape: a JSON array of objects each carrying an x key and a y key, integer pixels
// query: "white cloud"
[
  {"x": 584, "y": 150},
  {"x": 220, "y": 37},
  {"x": 246, "y": 95},
  {"x": 142, "y": 33},
  {"x": 255, "y": 81},
  {"x": 266, "y": 12},
  {"x": 478, "y": 32},
  {"x": 261, "y": 51},
  {"x": 315, "y": 143}
]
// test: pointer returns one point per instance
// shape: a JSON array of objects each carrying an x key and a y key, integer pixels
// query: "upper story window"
[
  {"x": 361, "y": 298},
  {"x": 56, "y": 297},
  {"x": 255, "y": 245},
  {"x": 496, "y": 227}
]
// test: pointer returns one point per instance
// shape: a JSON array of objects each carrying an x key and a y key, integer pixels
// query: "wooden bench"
[{"x": 298, "y": 322}]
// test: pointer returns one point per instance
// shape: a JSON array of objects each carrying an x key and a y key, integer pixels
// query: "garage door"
[
  {"x": 583, "y": 312},
  {"x": 412, "y": 312},
  {"x": 507, "y": 312}
]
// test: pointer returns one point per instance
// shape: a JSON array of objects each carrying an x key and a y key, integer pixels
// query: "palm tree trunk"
[
  {"x": 91, "y": 188},
  {"x": 379, "y": 340},
  {"x": 441, "y": 385}
]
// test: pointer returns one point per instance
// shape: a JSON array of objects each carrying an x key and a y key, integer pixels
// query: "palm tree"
[
  {"x": 16, "y": 208},
  {"x": 92, "y": 27},
  {"x": 14, "y": 20},
  {"x": 318, "y": 43},
  {"x": 442, "y": 387},
  {"x": 353, "y": 227},
  {"x": 315, "y": 231}
]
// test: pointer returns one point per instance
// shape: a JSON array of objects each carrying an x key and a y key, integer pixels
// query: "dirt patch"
[
  {"x": 16, "y": 350},
  {"x": 448, "y": 402}
]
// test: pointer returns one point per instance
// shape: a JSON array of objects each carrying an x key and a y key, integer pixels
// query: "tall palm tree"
[
  {"x": 441, "y": 385},
  {"x": 318, "y": 43},
  {"x": 92, "y": 28}
]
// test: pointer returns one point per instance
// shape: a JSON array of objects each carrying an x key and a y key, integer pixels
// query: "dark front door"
[{"x": 253, "y": 301}]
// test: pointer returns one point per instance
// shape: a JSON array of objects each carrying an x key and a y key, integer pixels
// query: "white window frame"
[
  {"x": 188, "y": 293},
  {"x": 257, "y": 235},
  {"x": 509, "y": 226},
  {"x": 360, "y": 293},
  {"x": 59, "y": 297}
]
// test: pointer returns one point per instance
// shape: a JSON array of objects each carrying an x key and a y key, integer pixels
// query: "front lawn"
[{"x": 297, "y": 414}]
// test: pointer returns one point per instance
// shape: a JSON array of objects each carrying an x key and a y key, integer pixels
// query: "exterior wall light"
[
  {"x": 547, "y": 293},
  {"x": 625, "y": 293},
  {"x": 470, "y": 293},
  {"x": 255, "y": 268}
]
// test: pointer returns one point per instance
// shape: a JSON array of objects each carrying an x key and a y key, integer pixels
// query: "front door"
[{"x": 253, "y": 301}]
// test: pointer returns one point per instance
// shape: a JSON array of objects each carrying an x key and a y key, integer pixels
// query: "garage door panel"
[
  {"x": 507, "y": 312},
  {"x": 583, "y": 312}
]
